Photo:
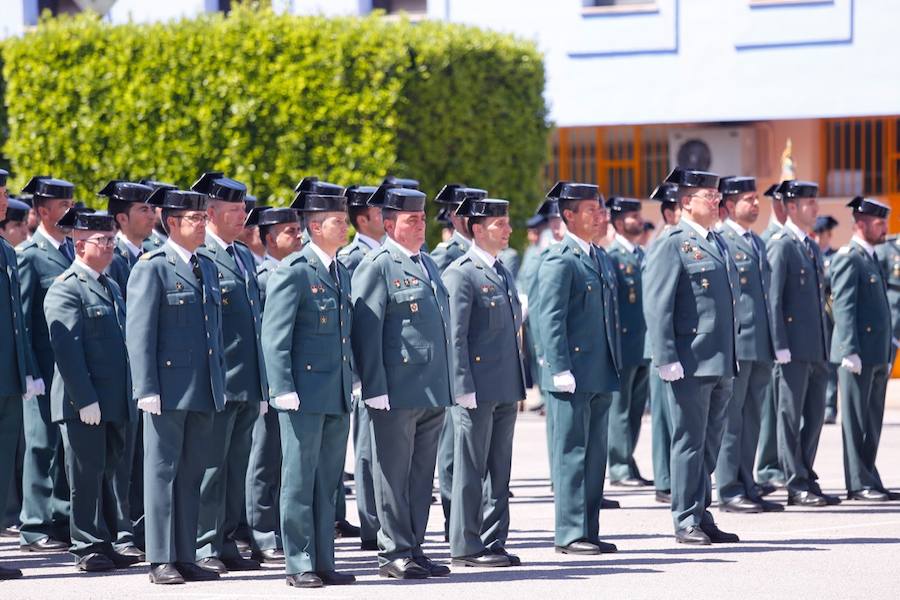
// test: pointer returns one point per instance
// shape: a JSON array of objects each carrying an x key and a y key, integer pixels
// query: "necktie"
[
  {"x": 67, "y": 249},
  {"x": 195, "y": 267},
  {"x": 416, "y": 258},
  {"x": 640, "y": 255},
  {"x": 498, "y": 266},
  {"x": 237, "y": 261},
  {"x": 711, "y": 236},
  {"x": 809, "y": 249},
  {"x": 332, "y": 268},
  {"x": 753, "y": 244}
]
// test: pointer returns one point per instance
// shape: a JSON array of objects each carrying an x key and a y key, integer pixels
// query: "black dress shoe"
[
  {"x": 806, "y": 499},
  {"x": 484, "y": 559},
  {"x": 402, "y": 568},
  {"x": 768, "y": 506},
  {"x": 370, "y": 545},
  {"x": 132, "y": 551},
  {"x": 514, "y": 561},
  {"x": 211, "y": 564},
  {"x": 9, "y": 573},
  {"x": 10, "y": 532},
  {"x": 335, "y": 578},
  {"x": 606, "y": 547},
  {"x": 830, "y": 499},
  {"x": 609, "y": 504},
  {"x": 766, "y": 488},
  {"x": 740, "y": 504},
  {"x": 892, "y": 496},
  {"x": 271, "y": 556},
  {"x": 304, "y": 580},
  {"x": 580, "y": 547},
  {"x": 631, "y": 482},
  {"x": 165, "y": 574},
  {"x": 343, "y": 529},
  {"x": 94, "y": 563},
  {"x": 121, "y": 561},
  {"x": 239, "y": 563},
  {"x": 692, "y": 535},
  {"x": 194, "y": 572},
  {"x": 45, "y": 545},
  {"x": 868, "y": 495},
  {"x": 434, "y": 569},
  {"x": 664, "y": 496},
  {"x": 717, "y": 536}
]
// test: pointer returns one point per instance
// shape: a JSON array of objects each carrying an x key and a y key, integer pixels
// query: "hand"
[
  {"x": 379, "y": 402},
  {"x": 671, "y": 372},
  {"x": 852, "y": 363},
  {"x": 289, "y": 401},
  {"x": 356, "y": 392},
  {"x": 263, "y": 408},
  {"x": 523, "y": 300},
  {"x": 39, "y": 389},
  {"x": 467, "y": 401},
  {"x": 564, "y": 382},
  {"x": 90, "y": 414},
  {"x": 782, "y": 357},
  {"x": 150, "y": 404}
]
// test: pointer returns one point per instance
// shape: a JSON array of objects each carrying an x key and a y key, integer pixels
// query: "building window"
[
  {"x": 224, "y": 6},
  {"x": 58, "y": 7},
  {"x": 412, "y": 7},
  {"x": 856, "y": 155},
  {"x": 612, "y": 6}
]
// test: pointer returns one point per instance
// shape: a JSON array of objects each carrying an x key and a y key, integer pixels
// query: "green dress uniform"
[
  {"x": 86, "y": 318},
  {"x": 350, "y": 256},
  {"x": 45, "y": 504},
  {"x": 175, "y": 344},
  {"x": 831, "y": 391},
  {"x": 486, "y": 318},
  {"x": 797, "y": 310},
  {"x": 223, "y": 491},
  {"x": 401, "y": 334},
  {"x": 306, "y": 344},
  {"x": 510, "y": 259},
  {"x": 861, "y": 317},
  {"x": 755, "y": 355},
  {"x": 888, "y": 255},
  {"x": 768, "y": 467},
  {"x": 629, "y": 402},
  {"x": 576, "y": 316}
]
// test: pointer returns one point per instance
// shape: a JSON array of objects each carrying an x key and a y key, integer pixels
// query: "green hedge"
[{"x": 270, "y": 98}]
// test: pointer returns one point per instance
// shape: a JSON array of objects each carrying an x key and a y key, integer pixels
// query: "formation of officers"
[{"x": 186, "y": 366}]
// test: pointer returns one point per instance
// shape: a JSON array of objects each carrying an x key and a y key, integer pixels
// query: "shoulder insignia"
[
  {"x": 152, "y": 254},
  {"x": 442, "y": 246},
  {"x": 777, "y": 235},
  {"x": 844, "y": 250}
]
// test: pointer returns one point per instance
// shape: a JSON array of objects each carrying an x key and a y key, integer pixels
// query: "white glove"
[
  {"x": 783, "y": 357},
  {"x": 523, "y": 300},
  {"x": 150, "y": 404},
  {"x": 29, "y": 388},
  {"x": 671, "y": 372},
  {"x": 289, "y": 401},
  {"x": 39, "y": 389},
  {"x": 379, "y": 402},
  {"x": 356, "y": 392},
  {"x": 564, "y": 382},
  {"x": 467, "y": 401},
  {"x": 90, "y": 414},
  {"x": 263, "y": 408},
  {"x": 852, "y": 363}
]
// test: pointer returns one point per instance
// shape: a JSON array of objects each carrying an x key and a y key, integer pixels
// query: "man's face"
[
  {"x": 493, "y": 233},
  {"x": 189, "y": 228},
  {"x": 95, "y": 248},
  {"x": 4, "y": 202},
  {"x": 873, "y": 229},
  {"x": 138, "y": 221},
  {"x": 703, "y": 205},
  {"x": 587, "y": 220},
  {"x": 824, "y": 239},
  {"x": 557, "y": 228},
  {"x": 632, "y": 224},
  {"x": 228, "y": 218},
  {"x": 333, "y": 228},
  {"x": 14, "y": 232},
  {"x": 371, "y": 223},
  {"x": 746, "y": 207},
  {"x": 285, "y": 238},
  {"x": 803, "y": 212},
  {"x": 250, "y": 237},
  {"x": 407, "y": 229},
  {"x": 53, "y": 210}
]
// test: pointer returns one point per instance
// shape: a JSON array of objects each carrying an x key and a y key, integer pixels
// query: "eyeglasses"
[
  {"x": 709, "y": 197},
  {"x": 102, "y": 242},
  {"x": 194, "y": 219}
]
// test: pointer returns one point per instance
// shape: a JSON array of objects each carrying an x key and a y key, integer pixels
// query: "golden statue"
[{"x": 788, "y": 167}]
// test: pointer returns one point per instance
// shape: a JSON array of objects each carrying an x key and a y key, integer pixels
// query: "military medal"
[
  {"x": 629, "y": 269},
  {"x": 396, "y": 283},
  {"x": 485, "y": 289},
  {"x": 698, "y": 255},
  {"x": 178, "y": 286},
  {"x": 704, "y": 283},
  {"x": 686, "y": 246},
  {"x": 632, "y": 296},
  {"x": 414, "y": 307},
  {"x": 323, "y": 319},
  {"x": 314, "y": 289}
]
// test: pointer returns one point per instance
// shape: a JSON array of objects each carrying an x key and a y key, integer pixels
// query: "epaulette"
[
  {"x": 27, "y": 245},
  {"x": 844, "y": 250},
  {"x": 442, "y": 245},
  {"x": 152, "y": 254},
  {"x": 297, "y": 258},
  {"x": 777, "y": 235}
]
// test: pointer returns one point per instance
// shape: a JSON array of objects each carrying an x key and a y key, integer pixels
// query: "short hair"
[
  {"x": 264, "y": 233},
  {"x": 565, "y": 205},
  {"x": 389, "y": 213},
  {"x": 354, "y": 213},
  {"x": 474, "y": 221},
  {"x": 119, "y": 207},
  {"x": 167, "y": 213}
]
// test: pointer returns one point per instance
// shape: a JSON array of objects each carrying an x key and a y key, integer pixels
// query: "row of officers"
[{"x": 245, "y": 370}]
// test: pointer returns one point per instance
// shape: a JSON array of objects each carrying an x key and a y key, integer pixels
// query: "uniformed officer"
[
  {"x": 16, "y": 359},
  {"x": 13, "y": 227},
  {"x": 629, "y": 402},
  {"x": 367, "y": 222},
  {"x": 401, "y": 320},
  {"x": 800, "y": 334},
  {"x": 449, "y": 199},
  {"x": 306, "y": 337},
  {"x": 737, "y": 489},
  {"x": 174, "y": 338},
  {"x": 127, "y": 204},
  {"x": 822, "y": 232},
  {"x": 488, "y": 384},
  {"x": 660, "y": 419},
  {"x": 691, "y": 285},
  {"x": 249, "y": 236},
  {"x": 862, "y": 346},
  {"x": 158, "y": 236},
  {"x": 579, "y": 357},
  {"x": 888, "y": 255},
  {"x": 91, "y": 393},
  {"x": 45, "y": 506},
  {"x": 223, "y": 491},
  {"x": 279, "y": 231},
  {"x": 769, "y": 474}
]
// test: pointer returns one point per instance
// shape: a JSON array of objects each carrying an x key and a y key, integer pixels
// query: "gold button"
[
  {"x": 577, "y": 349},
  {"x": 343, "y": 340},
  {"x": 345, "y": 359},
  {"x": 181, "y": 302},
  {"x": 309, "y": 367},
  {"x": 168, "y": 363},
  {"x": 477, "y": 359},
  {"x": 694, "y": 330},
  {"x": 868, "y": 329},
  {"x": 589, "y": 288},
  {"x": 492, "y": 303}
]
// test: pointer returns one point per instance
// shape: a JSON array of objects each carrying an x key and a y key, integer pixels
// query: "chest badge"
[
  {"x": 686, "y": 246},
  {"x": 414, "y": 307},
  {"x": 872, "y": 279},
  {"x": 396, "y": 283},
  {"x": 704, "y": 283},
  {"x": 632, "y": 296},
  {"x": 698, "y": 255},
  {"x": 178, "y": 286}
]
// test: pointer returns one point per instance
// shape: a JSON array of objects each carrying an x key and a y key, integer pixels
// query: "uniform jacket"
[
  {"x": 174, "y": 332},
  {"x": 632, "y": 327},
  {"x": 87, "y": 332},
  {"x": 689, "y": 295},
  {"x": 306, "y": 334},
  {"x": 401, "y": 330},
  {"x": 862, "y": 313},
  {"x": 154, "y": 242},
  {"x": 16, "y": 358},
  {"x": 263, "y": 273},
  {"x": 353, "y": 253},
  {"x": 120, "y": 267},
  {"x": 446, "y": 252},
  {"x": 486, "y": 321},
  {"x": 889, "y": 257}
]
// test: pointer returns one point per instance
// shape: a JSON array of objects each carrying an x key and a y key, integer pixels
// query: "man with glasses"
[
  {"x": 91, "y": 392},
  {"x": 174, "y": 338},
  {"x": 691, "y": 285},
  {"x": 45, "y": 505}
]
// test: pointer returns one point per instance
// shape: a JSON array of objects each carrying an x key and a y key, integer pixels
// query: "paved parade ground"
[{"x": 846, "y": 551}]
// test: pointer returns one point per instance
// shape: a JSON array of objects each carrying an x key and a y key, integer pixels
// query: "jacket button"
[
  {"x": 181, "y": 302},
  {"x": 210, "y": 351},
  {"x": 477, "y": 359},
  {"x": 168, "y": 363},
  {"x": 309, "y": 367},
  {"x": 694, "y": 330},
  {"x": 624, "y": 330},
  {"x": 790, "y": 319},
  {"x": 492, "y": 304},
  {"x": 577, "y": 349},
  {"x": 405, "y": 360},
  {"x": 868, "y": 329}
]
